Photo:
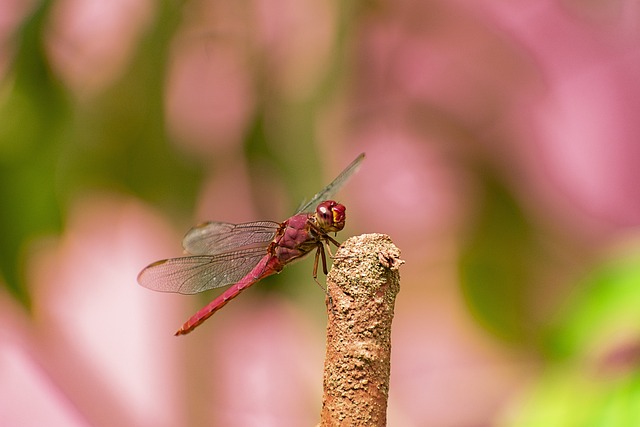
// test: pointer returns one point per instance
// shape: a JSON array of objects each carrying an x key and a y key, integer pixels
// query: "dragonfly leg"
[
  {"x": 319, "y": 251},
  {"x": 329, "y": 250},
  {"x": 332, "y": 240},
  {"x": 324, "y": 257},
  {"x": 322, "y": 287},
  {"x": 324, "y": 236},
  {"x": 315, "y": 264},
  {"x": 328, "y": 242},
  {"x": 324, "y": 266}
]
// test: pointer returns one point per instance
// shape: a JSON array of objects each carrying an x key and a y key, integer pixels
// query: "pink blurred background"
[{"x": 449, "y": 100}]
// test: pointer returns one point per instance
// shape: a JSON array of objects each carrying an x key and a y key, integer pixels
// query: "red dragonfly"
[{"x": 223, "y": 254}]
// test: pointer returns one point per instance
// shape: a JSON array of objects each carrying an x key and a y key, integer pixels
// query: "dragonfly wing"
[
  {"x": 212, "y": 238},
  {"x": 327, "y": 192},
  {"x": 193, "y": 274}
]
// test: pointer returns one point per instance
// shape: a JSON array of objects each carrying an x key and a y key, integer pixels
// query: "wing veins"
[{"x": 197, "y": 273}]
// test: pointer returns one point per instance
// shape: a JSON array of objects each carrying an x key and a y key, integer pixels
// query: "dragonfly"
[{"x": 220, "y": 254}]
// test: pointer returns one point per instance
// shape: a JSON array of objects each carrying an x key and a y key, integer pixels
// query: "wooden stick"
[{"x": 361, "y": 291}]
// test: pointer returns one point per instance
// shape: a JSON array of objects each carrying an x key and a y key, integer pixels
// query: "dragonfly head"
[{"x": 330, "y": 216}]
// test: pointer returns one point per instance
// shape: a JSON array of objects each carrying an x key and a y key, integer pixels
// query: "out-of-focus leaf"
[
  {"x": 53, "y": 151},
  {"x": 32, "y": 110},
  {"x": 119, "y": 139},
  {"x": 568, "y": 397},
  {"x": 594, "y": 376},
  {"x": 496, "y": 261},
  {"x": 605, "y": 309}
]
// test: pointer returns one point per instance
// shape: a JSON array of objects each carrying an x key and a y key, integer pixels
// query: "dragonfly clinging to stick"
[{"x": 240, "y": 255}]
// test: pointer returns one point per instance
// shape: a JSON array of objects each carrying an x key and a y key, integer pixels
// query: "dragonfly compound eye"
[{"x": 330, "y": 216}]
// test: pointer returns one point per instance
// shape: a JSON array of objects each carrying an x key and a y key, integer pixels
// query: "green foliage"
[
  {"x": 606, "y": 308},
  {"x": 593, "y": 378},
  {"x": 496, "y": 262},
  {"x": 53, "y": 151},
  {"x": 33, "y": 108}
]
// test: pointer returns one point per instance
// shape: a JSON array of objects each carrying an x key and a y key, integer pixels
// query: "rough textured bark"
[{"x": 362, "y": 287}]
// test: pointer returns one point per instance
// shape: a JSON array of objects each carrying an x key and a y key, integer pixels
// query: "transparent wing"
[
  {"x": 212, "y": 238},
  {"x": 193, "y": 274},
  {"x": 327, "y": 192}
]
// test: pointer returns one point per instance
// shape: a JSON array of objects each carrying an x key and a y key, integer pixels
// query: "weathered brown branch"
[{"x": 362, "y": 287}]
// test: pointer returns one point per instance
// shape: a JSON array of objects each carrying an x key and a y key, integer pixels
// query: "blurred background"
[{"x": 502, "y": 159}]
